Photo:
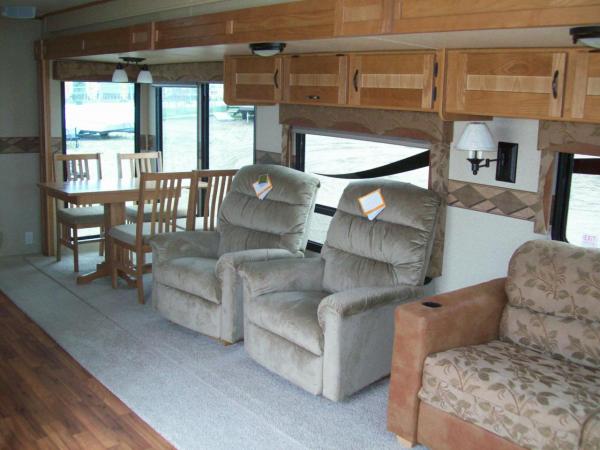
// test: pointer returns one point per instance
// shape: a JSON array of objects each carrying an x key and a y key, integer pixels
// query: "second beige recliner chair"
[
  {"x": 195, "y": 280},
  {"x": 327, "y": 324}
]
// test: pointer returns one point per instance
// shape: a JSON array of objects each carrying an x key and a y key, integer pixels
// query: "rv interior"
[{"x": 310, "y": 224}]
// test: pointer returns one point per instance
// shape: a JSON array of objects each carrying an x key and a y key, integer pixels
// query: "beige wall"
[{"x": 19, "y": 196}]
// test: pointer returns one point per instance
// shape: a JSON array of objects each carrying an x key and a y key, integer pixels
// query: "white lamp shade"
[
  {"x": 144, "y": 77},
  {"x": 476, "y": 138},
  {"x": 591, "y": 41},
  {"x": 119, "y": 75}
]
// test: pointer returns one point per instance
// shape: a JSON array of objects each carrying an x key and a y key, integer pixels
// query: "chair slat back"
[
  {"x": 218, "y": 184},
  {"x": 76, "y": 167},
  {"x": 145, "y": 162},
  {"x": 163, "y": 192}
]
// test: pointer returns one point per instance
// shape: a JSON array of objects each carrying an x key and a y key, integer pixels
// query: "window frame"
[
  {"x": 568, "y": 165},
  {"x": 300, "y": 161}
]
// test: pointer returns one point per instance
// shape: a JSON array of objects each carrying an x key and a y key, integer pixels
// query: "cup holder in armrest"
[{"x": 432, "y": 304}]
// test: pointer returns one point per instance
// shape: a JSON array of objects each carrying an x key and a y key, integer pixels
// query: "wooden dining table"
[{"x": 112, "y": 194}]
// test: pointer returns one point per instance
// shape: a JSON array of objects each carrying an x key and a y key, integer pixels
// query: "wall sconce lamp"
[
  {"x": 477, "y": 139},
  {"x": 267, "y": 48},
  {"x": 120, "y": 75}
]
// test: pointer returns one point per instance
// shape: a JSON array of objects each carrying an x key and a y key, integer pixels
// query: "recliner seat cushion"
[
  {"x": 193, "y": 275},
  {"x": 291, "y": 315},
  {"x": 524, "y": 396},
  {"x": 553, "y": 292}
]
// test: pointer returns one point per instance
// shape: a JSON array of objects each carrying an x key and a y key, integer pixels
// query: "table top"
[{"x": 95, "y": 191}]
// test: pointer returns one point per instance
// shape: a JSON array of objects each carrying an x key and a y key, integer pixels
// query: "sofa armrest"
[
  {"x": 299, "y": 274},
  {"x": 354, "y": 301},
  {"x": 468, "y": 316},
  {"x": 168, "y": 246}
]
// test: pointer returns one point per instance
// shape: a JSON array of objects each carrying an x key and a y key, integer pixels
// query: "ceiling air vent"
[{"x": 18, "y": 12}]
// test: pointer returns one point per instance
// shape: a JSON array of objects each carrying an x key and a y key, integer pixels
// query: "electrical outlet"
[{"x": 28, "y": 237}]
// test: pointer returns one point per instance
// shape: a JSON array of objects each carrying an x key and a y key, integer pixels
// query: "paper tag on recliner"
[
  {"x": 372, "y": 204},
  {"x": 262, "y": 186}
]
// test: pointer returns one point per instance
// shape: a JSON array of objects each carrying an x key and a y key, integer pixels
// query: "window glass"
[
  {"x": 231, "y": 132},
  {"x": 332, "y": 155},
  {"x": 100, "y": 118},
  {"x": 583, "y": 217},
  {"x": 179, "y": 128}
]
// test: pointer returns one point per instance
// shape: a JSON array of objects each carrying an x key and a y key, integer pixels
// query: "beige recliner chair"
[
  {"x": 327, "y": 324},
  {"x": 195, "y": 281}
]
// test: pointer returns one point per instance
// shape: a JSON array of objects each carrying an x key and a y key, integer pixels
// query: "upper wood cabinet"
[
  {"x": 252, "y": 80},
  {"x": 315, "y": 79},
  {"x": 393, "y": 81},
  {"x": 190, "y": 31},
  {"x": 363, "y": 17},
  {"x": 513, "y": 83},
  {"x": 119, "y": 40},
  {"x": 583, "y": 87}
]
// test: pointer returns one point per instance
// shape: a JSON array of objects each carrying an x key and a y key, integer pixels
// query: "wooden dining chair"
[
  {"x": 72, "y": 218},
  {"x": 213, "y": 186},
  {"x": 130, "y": 242},
  {"x": 138, "y": 163}
]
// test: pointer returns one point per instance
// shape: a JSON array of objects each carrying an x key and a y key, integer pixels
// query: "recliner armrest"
[
  {"x": 233, "y": 260},
  {"x": 181, "y": 244},
  {"x": 354, "y": 301},
  {"x": 468, "y": 316},
  {"x": 300, "y": 274}
]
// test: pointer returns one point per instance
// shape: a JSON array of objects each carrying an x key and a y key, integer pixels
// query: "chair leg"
[
  {"x": 102, "y": 242},
  {"x": 75, "y": 250},
  {"x": 58, "y": 241},
  {"x": 114, "y": 267},
  {"x": 139, "y": 275}
]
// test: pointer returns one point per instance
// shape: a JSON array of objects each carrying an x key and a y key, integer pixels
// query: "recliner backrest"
[
  {"x": 553, "y": 291},
  {"x": 281, "y": 220},
  {"x": 392, "y": 249}
]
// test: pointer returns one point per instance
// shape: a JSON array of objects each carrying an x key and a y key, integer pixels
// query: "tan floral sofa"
[{"x": 508, "y": 364}]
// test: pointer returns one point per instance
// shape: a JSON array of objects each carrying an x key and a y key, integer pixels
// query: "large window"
[
  {"x": 338, "y": 160},
  {"x": 100, "y": 118},
  {"x": 576, "y": 216},
  {"x": 199, "y": 131}
]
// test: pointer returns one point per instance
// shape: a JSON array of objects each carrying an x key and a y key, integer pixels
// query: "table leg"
[{"x": 114, "y": 214}]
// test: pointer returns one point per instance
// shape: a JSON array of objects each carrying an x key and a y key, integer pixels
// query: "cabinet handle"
[
  {"x": 276, "y": 79},
  {"x": 355, "y": 81},
  {"x": 313, "y": 97},
  {"x": 555, "y": 85}
]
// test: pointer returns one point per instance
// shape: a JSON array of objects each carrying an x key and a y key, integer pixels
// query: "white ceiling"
[
  {"x": 45, "y": 6},
  {"x": 538, "y": 37}
]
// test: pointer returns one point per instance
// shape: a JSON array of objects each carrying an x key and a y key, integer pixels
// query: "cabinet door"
[
  {"x": 393, "y": 81},
  {"x": 363, "y": 17},
  {"x": 252, "y": 80},
  {"x": 190, "y": 32},
  {"x": 315, "y": 79},
  {"x": 583, "y": 99},
  {"x": 119, "y": 40},
  {"x": 509, "y": 83}
]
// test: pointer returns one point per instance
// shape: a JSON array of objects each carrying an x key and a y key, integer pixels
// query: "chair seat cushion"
[
  {"x": 291, "y": 315},
  {"x": 126, "y": 232},
  {"x": 132, "y": 210},
  {"x": 193, "y": 275},
  {"x": 181, "y": 223},
  {"x": 87, "y": 215},
  {"x": 531, "y": 399}
]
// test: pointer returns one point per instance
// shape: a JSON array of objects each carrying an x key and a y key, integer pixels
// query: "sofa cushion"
[
  {"x": 555, "y": 284},
  {"x": 193, "y": 275},
  {"x": 524, "y": 396},
  {"x": 391, "y": 250},
  {"x": 291, "y": 315}
]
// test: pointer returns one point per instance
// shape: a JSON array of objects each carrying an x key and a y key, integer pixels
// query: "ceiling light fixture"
[
  {"x": 589, "y": 36},
  {"x": 267, "y": 48},
  {"x": 120, "y": 75}
]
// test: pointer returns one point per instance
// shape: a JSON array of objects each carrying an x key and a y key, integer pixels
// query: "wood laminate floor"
[{"x": 48, "y": 401}]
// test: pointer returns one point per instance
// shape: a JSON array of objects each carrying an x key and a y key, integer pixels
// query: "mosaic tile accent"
[
  {"x": 494, "y": 200},
  {"x": 29, "y": 144},
  {"x": 265, "y": 157}
]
